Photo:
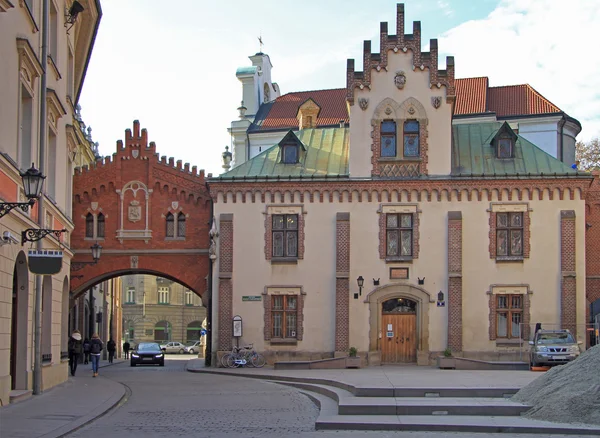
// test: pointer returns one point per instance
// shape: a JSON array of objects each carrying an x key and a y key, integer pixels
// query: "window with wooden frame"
[
  {"x": 89, "y": 225},
  {"x": 388, "y": 138},
  {"x": 399, "y": 234},
  {"x": 290, "y": 154},
  {"x": 130, "y": 298},
  {"x": 285, "y": 235},
  {"x": 509, "y": 316},
  {"x": 189, "y": 298},
  {"x": 509, "y": 234},
  {"x": 411, "y": 138},
  {"x": 284, "y": 316},
  {"x": 100, "y": 225},
  {"x": 170, "y": 225}
]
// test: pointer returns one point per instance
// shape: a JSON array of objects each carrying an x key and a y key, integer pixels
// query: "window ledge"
[
  {"x": 505, "y": 342},
  {"x": 401, "y": 259},
  {"x": 399, "y": 159},
  {"x": 99, "y": 239},
  {"x": 282, "y": 341},
  {"x": 502, "y": 259},
  {"x": 284, "y": 260},
  {"x": 175, "y": 238},
  {"x": 54, "y": 67}
]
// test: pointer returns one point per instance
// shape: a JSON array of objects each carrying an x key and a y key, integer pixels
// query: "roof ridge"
[
  {"x": 311, "y": 91},
  {"x": 542, "y": 96}
]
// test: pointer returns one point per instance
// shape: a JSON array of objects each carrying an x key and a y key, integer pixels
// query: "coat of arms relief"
[
  {"x": 436, "y": 101},
  {"x": 134, "y": 211},
  {"x": 400, "y": 80}
]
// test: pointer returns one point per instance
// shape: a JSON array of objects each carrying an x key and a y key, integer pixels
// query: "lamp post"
[
  {"x": 212, "y": 251},
  {"x": 361, "y": 282},
  {"x": 33, "y": 181}
]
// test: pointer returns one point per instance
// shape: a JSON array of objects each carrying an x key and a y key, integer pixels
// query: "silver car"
[
  {"x": 173, "y": 347},
  {"x": 553, "y": 347},
  {"x": 193, "y": 347}
]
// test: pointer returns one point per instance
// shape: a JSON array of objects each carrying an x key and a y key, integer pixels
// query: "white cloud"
[
  {"x": 545, "y": 43},
  {"x": 445, "y": 7}
]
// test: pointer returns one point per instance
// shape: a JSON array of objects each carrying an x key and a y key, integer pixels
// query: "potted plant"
[
  {"x": 446, "y": 361},
  {"x": 353, "y": 361}
]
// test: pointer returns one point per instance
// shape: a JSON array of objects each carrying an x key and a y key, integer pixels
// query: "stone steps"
[{"x": 19, "y": 395}]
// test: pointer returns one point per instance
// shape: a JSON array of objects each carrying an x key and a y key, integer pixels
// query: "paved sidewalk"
[
  {"x": 405, "y": 376},
  {"x": 63, "y": 408}
]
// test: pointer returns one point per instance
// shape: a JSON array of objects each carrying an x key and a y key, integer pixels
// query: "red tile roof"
[
  {"x": 285, "y": 108},
  {"x": 473, "y": 96}
]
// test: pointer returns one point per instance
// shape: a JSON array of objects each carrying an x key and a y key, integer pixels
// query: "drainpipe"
[
  {"x": 37, "y": 362},
  {"x": 208, "y": 343},
  {"x": 561, "y": 141}
]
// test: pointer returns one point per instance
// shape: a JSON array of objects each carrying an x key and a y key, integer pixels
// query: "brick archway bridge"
[{"x": 150, "y": 215}]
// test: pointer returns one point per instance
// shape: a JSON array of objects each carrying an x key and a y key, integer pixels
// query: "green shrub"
[
  {"x": 447, "y": 352},
  {"x": 352, "y": 352}
]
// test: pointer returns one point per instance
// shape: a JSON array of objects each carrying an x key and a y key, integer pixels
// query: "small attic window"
[
  {"x": 505, "y": 148},
  {"x": 504, "y": 142},
  {"x": 289, "y": 154}
]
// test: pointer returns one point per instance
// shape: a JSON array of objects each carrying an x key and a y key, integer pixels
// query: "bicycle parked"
[{"x": 244, "y": 356}]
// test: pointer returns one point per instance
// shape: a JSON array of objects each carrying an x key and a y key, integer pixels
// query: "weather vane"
[{"x": 260, "y": 41}]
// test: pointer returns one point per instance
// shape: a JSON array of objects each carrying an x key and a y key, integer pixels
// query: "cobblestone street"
[{"x": 170, "y": 402}]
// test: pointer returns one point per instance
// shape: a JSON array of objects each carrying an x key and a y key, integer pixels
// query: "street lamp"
[
  {"x": 33, "y": 180},
  {"x": 360, "y": 281},
  {"x": 96, "y": 253}
]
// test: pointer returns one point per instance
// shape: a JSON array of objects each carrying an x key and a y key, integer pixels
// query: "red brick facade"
[
  {"x": 342, "y": 283},
  {"x": 568, "y": 296},
  {"x": 225, "y": 281},
  {"x": 592, "y": 243},
  {"x": 454, "y": 298},
  {"x": 134, "y": 190}
]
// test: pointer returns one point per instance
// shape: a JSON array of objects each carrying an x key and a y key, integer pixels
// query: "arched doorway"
[
  {"x": 399, "y": 322},
  {"x": 406, "y": 308},
  {"x": 194, "y": 329},
  {"x": 19, "y": 317},
  {"x": 162, "y": 331}
]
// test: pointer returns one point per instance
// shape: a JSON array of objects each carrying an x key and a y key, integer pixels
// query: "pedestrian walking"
[
  {"x": 111, "y": 346},
  {"x": 126, "y": 348},
  {"x": 86, "y": 351},
  {"x": 75, "y": 349},
  {"x": 96, "y": 347}
]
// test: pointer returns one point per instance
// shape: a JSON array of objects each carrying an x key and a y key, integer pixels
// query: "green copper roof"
[
  {"x": 326, "y": 153},
  {"x": 472, "y": 153},
  {"x": 245, "y": 70}
]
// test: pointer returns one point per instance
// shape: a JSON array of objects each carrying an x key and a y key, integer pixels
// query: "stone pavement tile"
[{"x": 61, "y": 409}]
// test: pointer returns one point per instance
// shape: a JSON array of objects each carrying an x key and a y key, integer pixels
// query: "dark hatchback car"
[{"x": 148, "y": 353}]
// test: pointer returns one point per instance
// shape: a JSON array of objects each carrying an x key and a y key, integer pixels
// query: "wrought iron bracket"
[
  {"x": 35, "y": 234},
  {"x": 6, "y": 207},
  {"x": 77, "y": 266}
]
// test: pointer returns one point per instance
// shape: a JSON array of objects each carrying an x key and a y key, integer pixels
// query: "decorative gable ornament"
[
  {"x": 400, "y": 80},
  {"x": 388, "y": 111},
  {"x": 135, "y": 153},
  {"x": 363, "y": 103},
  {"x": 135, "y": 211},
  {"x": 436, "y": 101},
  {"x": 174, "y": 205},
  {"x": 94, "y": 206},
  {"x": 411, "y": 110}
]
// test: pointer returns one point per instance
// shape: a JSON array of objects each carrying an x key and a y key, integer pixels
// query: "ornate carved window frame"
[
  {"x": 273, "y": 209},
  {"x": 508, "y": 207},
  {"x": 399, "y": 166},
  {"x": 398, "y": 208}
]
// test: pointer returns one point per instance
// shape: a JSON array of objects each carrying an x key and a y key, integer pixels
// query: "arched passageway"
[{"x": 19, "y": 319}]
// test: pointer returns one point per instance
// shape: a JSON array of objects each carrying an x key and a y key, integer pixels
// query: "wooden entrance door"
[{"x": 399, "y": 345}]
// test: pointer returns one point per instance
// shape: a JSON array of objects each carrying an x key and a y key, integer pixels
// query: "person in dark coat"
[
  {"x": 111, "y": 346},
  {"x": 96, "y": 348},
  {"x": 75, "y": 350},
  {"x": 86, "y": 351},
  {"x": 126, "y": 348}
]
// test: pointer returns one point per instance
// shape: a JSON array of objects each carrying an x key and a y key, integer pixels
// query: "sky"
[{"x": 173, "y": 69}]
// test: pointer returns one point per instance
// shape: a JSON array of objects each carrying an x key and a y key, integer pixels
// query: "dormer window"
[
  {"x": 505, "y": 148},
  {"x": 291, "y": 149},
  {"x": 504, "y": 142},
  {"x": 290, "y": 154}
]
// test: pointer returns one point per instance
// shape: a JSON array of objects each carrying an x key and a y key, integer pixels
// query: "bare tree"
[{"x": 588, "y": 154}]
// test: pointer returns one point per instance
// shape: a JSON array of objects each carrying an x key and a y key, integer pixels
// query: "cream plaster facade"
[
  {"x": 452, "y": 255},
  {"x": 20, "y": 74}
]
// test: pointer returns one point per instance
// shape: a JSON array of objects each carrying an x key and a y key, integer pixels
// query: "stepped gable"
[
  {"x": 137, "y": 160},
  {"x": 401, "y": 42}
]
